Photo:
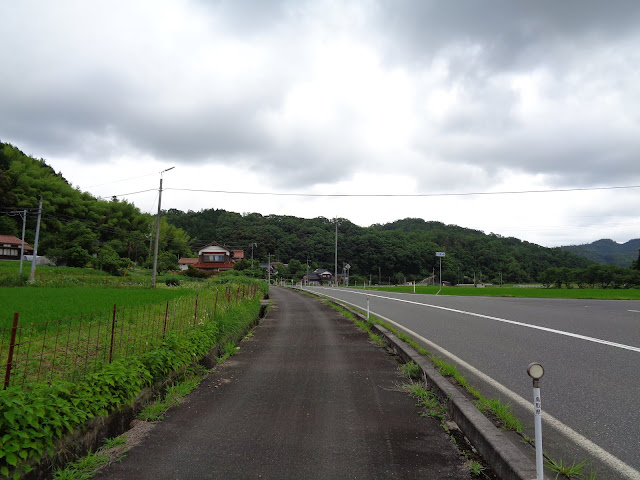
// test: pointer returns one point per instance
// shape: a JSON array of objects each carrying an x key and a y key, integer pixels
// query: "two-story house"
[{"x": 214, "y": 257}]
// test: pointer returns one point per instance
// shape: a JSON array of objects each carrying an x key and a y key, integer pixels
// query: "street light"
[{"x": 155, "y": 248}]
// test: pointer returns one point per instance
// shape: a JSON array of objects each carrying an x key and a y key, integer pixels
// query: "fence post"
[
  {"x": 14, "y": 329},
  {"x": 113, "y": 331},
  {"x": 166, "y": 313},
  {"x": 215, "y": 306},
  {"x": 195, "y": 314}
]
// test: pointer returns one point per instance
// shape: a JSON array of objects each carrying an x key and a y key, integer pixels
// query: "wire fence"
[{"x": 71, "y": 348}]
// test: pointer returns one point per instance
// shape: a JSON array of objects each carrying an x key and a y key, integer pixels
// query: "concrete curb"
[{"x": 504, "y": 458}]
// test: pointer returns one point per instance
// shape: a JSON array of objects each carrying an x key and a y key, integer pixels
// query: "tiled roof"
[
  {"x": 186, "y": 261},
  {"x": 14, "y": 241}
]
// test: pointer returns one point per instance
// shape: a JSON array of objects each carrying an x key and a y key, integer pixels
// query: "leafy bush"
[
  {"x": 172, "y": 282},
  {"x": 196, "y": 272},
  {"x": 31, "y": 420}
]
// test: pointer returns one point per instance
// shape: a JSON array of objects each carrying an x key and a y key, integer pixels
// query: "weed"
[
  {"x": 569, "y": 471},
  {"x": 476, "y": 468},
  {"x": 410, "y": 369},
  {"x": 115, "y": 442},
  {"x": 83, "y": 468},
  {"x": 229, "y": 349},
  {"x": 503, "y": 413},
  {"x": 427, "y": 399},
  {"x": 156, "y": 410}
]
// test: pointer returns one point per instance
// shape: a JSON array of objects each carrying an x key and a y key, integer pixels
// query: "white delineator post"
[
  {"x": 536, "y": 372},
  {"x": 367, "y": 307}
]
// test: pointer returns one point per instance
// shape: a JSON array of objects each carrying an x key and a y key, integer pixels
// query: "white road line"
[
  {"x": 601, "y": 454},
  {"x": 511, "y": 322},
  {"x": 635, "y": 311}
]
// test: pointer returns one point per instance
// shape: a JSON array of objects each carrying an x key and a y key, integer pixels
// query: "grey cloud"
[{"x": 510, "y": 32}]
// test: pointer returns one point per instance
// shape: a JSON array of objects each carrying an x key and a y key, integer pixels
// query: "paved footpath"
[{"x": 309, "y": 396}]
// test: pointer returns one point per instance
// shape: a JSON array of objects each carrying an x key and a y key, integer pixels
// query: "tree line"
[
  {"x": 392, "y": 252},
  {"x": 78, "y": 229},
  {"x": 602, "y": 276}
]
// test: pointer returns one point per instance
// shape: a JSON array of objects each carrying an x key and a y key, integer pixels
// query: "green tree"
[{"x": 109, "y": 261}]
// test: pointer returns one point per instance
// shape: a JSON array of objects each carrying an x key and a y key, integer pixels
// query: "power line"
[
  {"x": 123, "y": 180},
  {"x": 450, "y": 194},
  {"x": 132, "y": 193}
]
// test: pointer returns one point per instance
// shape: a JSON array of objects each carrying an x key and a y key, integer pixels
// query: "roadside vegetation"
[
  {"x": 519, "y": 292},
  {"x": 35, "y": 417}
]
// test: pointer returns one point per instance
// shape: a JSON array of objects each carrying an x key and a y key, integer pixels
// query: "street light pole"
[
  {"x": 336, "y": 256},
  {"x": 155, "y": 248}
]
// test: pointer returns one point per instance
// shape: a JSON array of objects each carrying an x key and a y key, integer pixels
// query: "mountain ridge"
[{"x": 607, "y": 252}]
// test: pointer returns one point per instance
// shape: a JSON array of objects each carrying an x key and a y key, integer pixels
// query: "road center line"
[
  {"x": 605, "y": 457},
  {"x": 511, "y": 322},
  {"x": 635, "y": 311}
]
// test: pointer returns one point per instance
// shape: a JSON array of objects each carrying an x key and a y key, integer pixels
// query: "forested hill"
[
  {"x": 405, "y": 248},
  {"x": 608, "y": 252},
  {"x": 75, "y": 225}
]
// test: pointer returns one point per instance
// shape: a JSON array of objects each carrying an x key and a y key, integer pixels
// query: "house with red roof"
[
  {"x": 213, "y": 257},
  {"x": 10, "y": 248}
]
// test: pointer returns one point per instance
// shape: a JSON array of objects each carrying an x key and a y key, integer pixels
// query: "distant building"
[
  {"x": 318, "y": 277},
  {"x": 184, "y": 263},
  {"x": 10, "y": 248},
  {"x": 213, "y": 257}
]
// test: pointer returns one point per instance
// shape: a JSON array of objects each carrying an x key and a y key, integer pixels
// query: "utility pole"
[
  {"x": 32, "y": 277},
  {"x": 24, "y": 223},
  {"x": 155, "y": 248},
  {"x": 252, "y": 245},
  {"x": 269, "y": 268},
  {"x": 336, "y": 256}
]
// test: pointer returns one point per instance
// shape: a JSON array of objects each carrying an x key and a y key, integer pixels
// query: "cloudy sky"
[{"x": 413, "y": 100}]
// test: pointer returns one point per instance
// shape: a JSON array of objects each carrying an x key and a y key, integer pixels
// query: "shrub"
[{"x": 196, "y": 273}]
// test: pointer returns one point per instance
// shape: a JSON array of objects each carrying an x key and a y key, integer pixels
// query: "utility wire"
[{"x": 461, "y": 194}]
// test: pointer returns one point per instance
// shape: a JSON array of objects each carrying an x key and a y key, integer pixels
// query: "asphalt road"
[
  {"x": 590, "y": 350},
  {"x": 309, "y": 396}
]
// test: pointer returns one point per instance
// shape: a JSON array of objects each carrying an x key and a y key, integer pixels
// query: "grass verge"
[{"x": 520, "y": 292}]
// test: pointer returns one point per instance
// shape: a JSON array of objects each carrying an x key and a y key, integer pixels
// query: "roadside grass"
[
  {"x": 228, "y": 350},
  {"x": 174, "y": 395},
  {"x": 520, "y": 292},
  {"x": 502, "y": 412},
  {"x": 40, "y": 304},
  {"x": 374, "y": 337},
  {"x": 574, "y": 470},
  {"x": 476, "y": 468},
  {"x": 86, "y": 467},
  {"x": 410, "y": 370},
  {"x": 427, "y": 399}
]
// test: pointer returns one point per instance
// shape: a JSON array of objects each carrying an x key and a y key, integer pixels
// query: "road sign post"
[
  {"x": 440, "y": 255},
  {"x": 536, "y": 372}
]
